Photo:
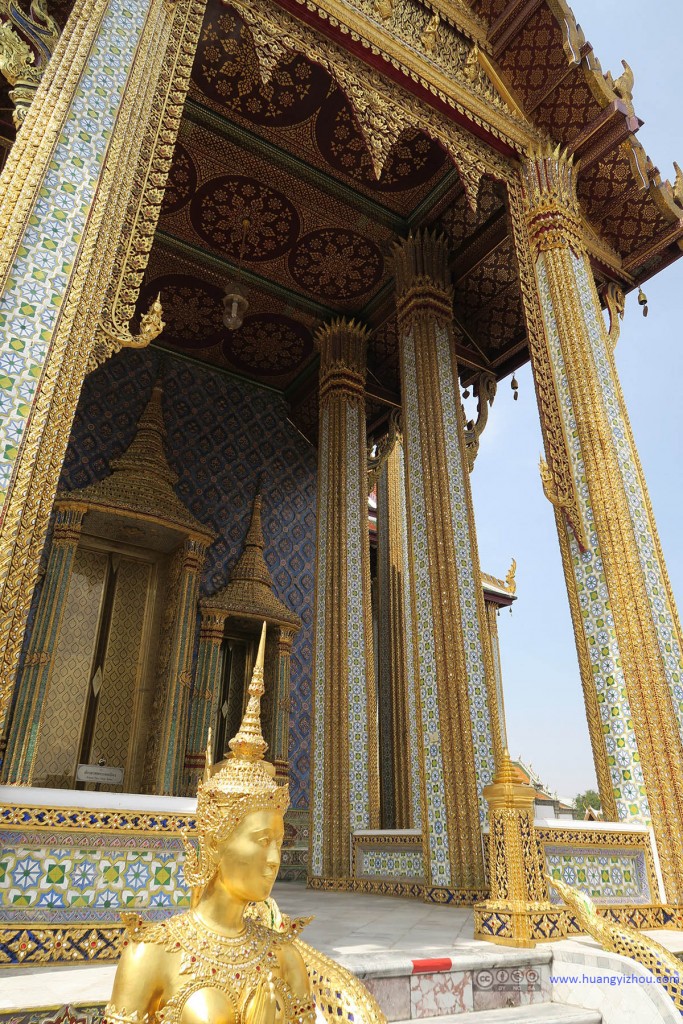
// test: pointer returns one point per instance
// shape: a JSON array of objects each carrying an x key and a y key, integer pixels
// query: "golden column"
[
  {"x": 279, "y": 752},
  {"x": 400, "y": 776},
  {"x": 172, "y": 708},
  {"x": 205, "y": 695},
  {"x": 37, "y": 663},
  {"x": 345, "y": 792},
  {"x": 79, "y": 200},
  {"x": 460, "y": 733},
  {"x": 625, "y": 622}
]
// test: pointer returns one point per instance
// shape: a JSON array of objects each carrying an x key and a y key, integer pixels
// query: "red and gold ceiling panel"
[
  {"x": 488, "y": 302},
  {"x": 489, "y": 10},
  {"x": 620, "y": 206},
  {"x": 535, "y": 57},
  {"x": 282, "y": 228},
  {"x": 303, "y": 112},
  {"x": 460, "y": 221},
  {"x": 274, "y": 343},
  {"x": 569, "y": 108},
  {"x": 383, "y": 356}
]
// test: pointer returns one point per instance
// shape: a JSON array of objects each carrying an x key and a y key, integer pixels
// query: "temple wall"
[{"x": 222, "y": 433}]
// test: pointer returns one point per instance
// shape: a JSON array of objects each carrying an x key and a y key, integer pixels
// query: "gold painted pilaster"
[
  {"x": 205, "y": 694},
  {"x": 173, "y": 686},
  {"x": 279, "y": 752},
  {"x": 345, "y": 784},
  {"x": 454, "y": 665},
  {"x": 627, "y": 630},
  {"x": 34, "y": 676}
]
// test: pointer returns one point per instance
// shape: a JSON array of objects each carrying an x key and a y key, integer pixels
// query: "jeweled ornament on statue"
[{"x": 233, "y": 958}]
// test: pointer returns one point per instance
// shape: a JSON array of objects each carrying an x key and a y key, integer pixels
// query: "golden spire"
[{"x": 249, "y": 743}]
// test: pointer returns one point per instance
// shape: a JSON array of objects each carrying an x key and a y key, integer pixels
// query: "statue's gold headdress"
[{"x": 243, "y": 782}]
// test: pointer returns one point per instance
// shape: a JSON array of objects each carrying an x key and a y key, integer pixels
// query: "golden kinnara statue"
[{"x": 233, "y": 958}]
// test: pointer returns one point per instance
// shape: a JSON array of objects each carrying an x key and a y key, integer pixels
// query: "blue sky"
[{"x": 544, "y": 705}]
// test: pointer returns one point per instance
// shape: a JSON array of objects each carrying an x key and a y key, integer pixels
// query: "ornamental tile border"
[{"x": 593, "y": 596}]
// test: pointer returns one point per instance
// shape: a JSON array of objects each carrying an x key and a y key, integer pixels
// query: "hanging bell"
[
  {"x": 642, "y": 300},
  {"x": 466, "y": 393},
  {"x": 515, "y": 388}
]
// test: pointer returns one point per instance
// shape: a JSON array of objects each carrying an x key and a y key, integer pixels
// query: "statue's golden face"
[{"x": 249, "y": 859}]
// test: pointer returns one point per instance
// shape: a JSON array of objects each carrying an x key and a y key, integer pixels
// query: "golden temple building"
[{"x": 252, "y": 254}]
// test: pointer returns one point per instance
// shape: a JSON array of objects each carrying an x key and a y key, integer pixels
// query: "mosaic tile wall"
[
  {"x": 608, "y": 876},
  {"x": 39, "y": 275},
  {"x": 390, "y": 862},
  {"x": 221, "y": 435},
  {"x": 598, "y": 624},
  {"x": 68, "y": 878}
]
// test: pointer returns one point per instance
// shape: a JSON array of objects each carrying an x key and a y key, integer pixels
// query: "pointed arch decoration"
[{"x": 382, "y": 109}]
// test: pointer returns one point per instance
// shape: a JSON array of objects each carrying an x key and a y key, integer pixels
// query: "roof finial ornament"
[
  {"x": 678, "y": 185},
  {"x": 623, "y": 86}
]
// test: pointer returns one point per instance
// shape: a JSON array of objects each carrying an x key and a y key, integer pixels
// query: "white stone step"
[{"x": 537, "y": 1013}]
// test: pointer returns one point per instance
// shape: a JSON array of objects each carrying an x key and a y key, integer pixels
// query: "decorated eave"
[
  {"x": 141, "y": 483},
  {"x": 500, "y": 592},
  {"x": 548, "y": 63},
  {"x": 531, "y": 77},
  {"x": 249, "y": 590}
]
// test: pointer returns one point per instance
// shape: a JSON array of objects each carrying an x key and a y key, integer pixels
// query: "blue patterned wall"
[{"x": 222, "y": 433}]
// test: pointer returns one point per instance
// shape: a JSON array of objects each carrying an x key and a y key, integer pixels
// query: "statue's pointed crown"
[{"x": 243, "y": 781}]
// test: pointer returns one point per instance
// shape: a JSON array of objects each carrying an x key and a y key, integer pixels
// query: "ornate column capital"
[
  {"x": 285, "y": 639},
  {"x": 68, "y": 523},
  {"x": 194, "y": 553},
  {"x": 422, "y": 276},
  {"x": 343, "y": 347},
  {"x": 552, "y": 207},
  {"x": 212, "y": 625}
]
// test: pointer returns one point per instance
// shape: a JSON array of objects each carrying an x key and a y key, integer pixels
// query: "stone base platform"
[{"x": 419, "y": 960}]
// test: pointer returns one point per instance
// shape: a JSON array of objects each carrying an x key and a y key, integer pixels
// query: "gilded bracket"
[
  {"x": 107, "y": 343},
  {"x": 384, "y": 448},
  {"x": 484, "y": 388},
  {"x": 616, "y": 302},
  {"x": 26, "y": 45}
]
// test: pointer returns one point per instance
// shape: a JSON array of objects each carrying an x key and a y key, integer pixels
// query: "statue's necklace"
[{"x": 230, "y": 961}]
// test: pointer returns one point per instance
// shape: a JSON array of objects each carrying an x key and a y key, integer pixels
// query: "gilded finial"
[
  {"x": 249, "y": 743},
  {"x": 678, "y": 185}
]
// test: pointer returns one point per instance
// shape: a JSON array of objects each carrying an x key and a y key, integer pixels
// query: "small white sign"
[{"x": 100, "y": 773}]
